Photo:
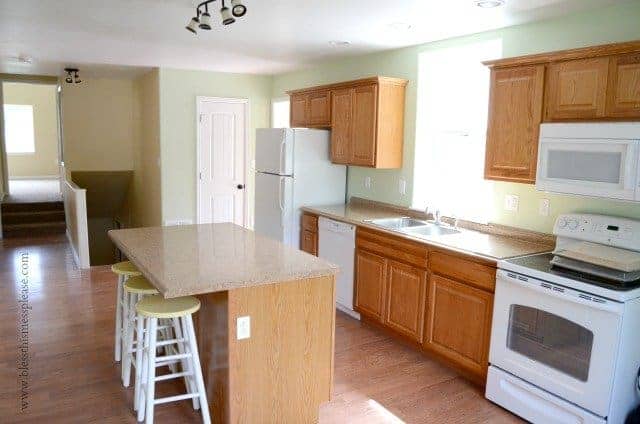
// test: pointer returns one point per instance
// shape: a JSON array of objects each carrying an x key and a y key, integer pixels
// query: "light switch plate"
[
  {"x": 543, "y": 207},
  {"x": 511, "y": 202},
  {"x": 367, "y": 182},
  {"x": 402, "y": 186},
  {"x": 243, "y": 327}
]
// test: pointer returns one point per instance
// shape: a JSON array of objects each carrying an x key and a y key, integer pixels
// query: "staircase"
[{"x": 32, "y": 219}]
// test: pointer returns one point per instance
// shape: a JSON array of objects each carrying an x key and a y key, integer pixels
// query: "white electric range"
[{"x": 565, "y": 342}]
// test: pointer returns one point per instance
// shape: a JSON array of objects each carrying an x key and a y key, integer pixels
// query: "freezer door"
[
  {"x": 273, "y": 209},
  {"x": 274, "y": 150}
]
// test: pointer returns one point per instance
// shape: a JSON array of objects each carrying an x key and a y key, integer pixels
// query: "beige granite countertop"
[
  {"x": 468, "y": 241},
  {"x": 197, "y": 259}
]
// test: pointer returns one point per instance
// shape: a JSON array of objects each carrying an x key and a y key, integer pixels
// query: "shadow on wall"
[{"x": 106, "y": 195}]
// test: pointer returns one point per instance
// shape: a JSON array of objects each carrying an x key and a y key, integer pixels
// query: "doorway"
[{"x": 221, "y": 160}]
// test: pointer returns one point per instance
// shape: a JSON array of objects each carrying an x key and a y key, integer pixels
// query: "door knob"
[{"x": 240, "y": 186}]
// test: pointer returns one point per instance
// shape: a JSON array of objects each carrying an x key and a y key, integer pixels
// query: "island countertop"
[{"x": 206, "y": 258}]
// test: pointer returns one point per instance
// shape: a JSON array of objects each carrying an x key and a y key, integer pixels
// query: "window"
[
  {"x": 453, "y": 94},
  {"x": 18, "y": 129},
  {"x": 280, "y": 113}
]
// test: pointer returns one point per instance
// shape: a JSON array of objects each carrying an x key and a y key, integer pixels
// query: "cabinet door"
[
  {"x": 309, "y": 242},
  {"x": 515, "y": 113},
  {"x": 459, "y": 323},
  {"x": 319, "y": 108},
  {"x": 341, "y": 125},
  {"x": 299, "y": 115},
  {"x": 576, "y": 89},
  {"x": 364, "y": 125},
  {"x": 406, "y": 291},
  {"x": 623, "y": 92},
  {"x": 371, "y": 273}
]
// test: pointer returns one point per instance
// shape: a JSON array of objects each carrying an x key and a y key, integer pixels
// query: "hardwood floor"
[{"x": 72, "y": 377}]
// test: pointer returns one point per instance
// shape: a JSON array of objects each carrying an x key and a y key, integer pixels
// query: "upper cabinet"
[
  {"x": 600, "y": 83},
  {"x": 576, "y": 89},
  {"x": 512, "y": 143},
  {"x": 366, "y": 118}
]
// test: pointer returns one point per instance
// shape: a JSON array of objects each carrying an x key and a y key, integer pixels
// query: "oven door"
[
  {"x": 591, "y": 167},
  {"x": 556, "y": 338}
]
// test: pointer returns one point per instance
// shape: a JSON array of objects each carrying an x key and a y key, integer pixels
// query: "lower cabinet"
[
  {"x": 371, "y": 275},
  {"x": 459, "y": 323},
  {"x": 406, "y": 291}
]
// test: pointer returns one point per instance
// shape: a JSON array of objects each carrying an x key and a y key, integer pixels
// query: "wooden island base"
[{"x": 284, "y": 371}]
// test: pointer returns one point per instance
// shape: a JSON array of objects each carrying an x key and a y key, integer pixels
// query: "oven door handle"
[{"x": 561, "y": 292}]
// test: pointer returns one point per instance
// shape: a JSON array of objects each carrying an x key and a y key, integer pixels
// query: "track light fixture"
[
  {"x": 203, "y": 20},
  {"x": 73, "y": 76}
]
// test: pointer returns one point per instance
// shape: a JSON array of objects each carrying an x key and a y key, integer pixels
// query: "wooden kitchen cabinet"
[
  {"x": 576, "y": 89},
  {"x": 597, "y": 83},
  {"x": 366, "y": 118},
  {"x": 458, "y": 325},
  {"x": 515, "y": 113},
  {"x": 623, "y": 92},
  {"x": 310, "y": 109},
  {"x": 371, "y": 275},
  {"x": 405, "y": 303},
  {"x": 309, "y": 234}
]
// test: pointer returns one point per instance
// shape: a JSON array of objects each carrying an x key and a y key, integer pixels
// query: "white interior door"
[{"x": 221, "y": 161}]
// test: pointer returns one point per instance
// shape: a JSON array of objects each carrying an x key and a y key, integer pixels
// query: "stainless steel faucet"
[{"x": 436, "y": 217}]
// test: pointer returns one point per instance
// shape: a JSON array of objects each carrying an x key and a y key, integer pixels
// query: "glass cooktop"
[{"x": 542, "y": 262}]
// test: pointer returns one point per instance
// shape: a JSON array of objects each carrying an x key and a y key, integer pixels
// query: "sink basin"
[
  {"x": 430, "y": 230},
  {"x": 398, "y": 223}
]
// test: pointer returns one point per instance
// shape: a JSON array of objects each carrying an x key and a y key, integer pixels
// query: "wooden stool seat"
[
  {"x": 125, "y": 268},
  {"x": 159, "y": 307},
  {"x": 139, "y": 285}
]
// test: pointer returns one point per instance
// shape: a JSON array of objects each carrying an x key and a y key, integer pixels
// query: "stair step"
[
  {"x": 32, "y": 207},
  {"x": 32, "y": 217},
  {"x": 33, "y": 229}
]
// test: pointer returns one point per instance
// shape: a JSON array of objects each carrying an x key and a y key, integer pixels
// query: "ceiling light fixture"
[
  {"x": 488, "y": 4},
  {"x": 202, "y": 19},
  {"x": 72, "y": 76}
]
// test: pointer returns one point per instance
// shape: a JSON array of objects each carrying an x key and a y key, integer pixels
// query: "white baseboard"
[
  {"x": 35, "y": 177},
  {"x": 348, "y": 311}
]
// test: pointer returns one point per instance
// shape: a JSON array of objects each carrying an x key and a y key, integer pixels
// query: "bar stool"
[
  {"x": 124, "y": 270},
  {"x": 179, "y": 310},
  {"x": 135, "y": 288}
]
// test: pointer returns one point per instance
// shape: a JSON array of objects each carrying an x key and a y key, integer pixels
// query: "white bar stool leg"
[
  {"x": 198, "y": 370},
  {"x": 139, "y": 354},
  {"x": 118, "y": 341},
  {"x": 189, "y": 381},
  {"x": 142, "y": 398},
  {"x": 128, "y": 328},
  {"x": 151, "y": 370}
]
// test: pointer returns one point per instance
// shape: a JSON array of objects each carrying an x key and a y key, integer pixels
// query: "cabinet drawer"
[
  {"x": 309, "y": 222},
  {"x": 392, "y": 247},
  {"x": 469, "y": 272}
]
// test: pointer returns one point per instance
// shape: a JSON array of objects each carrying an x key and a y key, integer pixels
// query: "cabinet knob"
[{"x": 240, "y": 186}]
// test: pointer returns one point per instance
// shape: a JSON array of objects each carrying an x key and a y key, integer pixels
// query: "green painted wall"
[
  {"x": 178, "y": 92},
  {"x": 611, "y": 24}
]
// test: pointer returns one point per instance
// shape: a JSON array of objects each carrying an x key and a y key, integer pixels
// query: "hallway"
[{"x": 71, "y": 376}]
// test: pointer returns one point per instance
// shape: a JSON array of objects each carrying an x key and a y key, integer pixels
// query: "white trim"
[
  {"x": 199, "y": 101},
  {"x": 35, "y": 177}
]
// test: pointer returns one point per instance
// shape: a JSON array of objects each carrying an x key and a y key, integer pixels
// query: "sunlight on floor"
[
  {"x": 26, "y": 191},
  {"x": 384, "y": 413}
]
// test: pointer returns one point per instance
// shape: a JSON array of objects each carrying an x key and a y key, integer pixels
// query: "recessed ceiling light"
[
  {"x": 488, "y": 4},
  {"x": 339, "y": 43},
  {"x": 400, "y": 26}
]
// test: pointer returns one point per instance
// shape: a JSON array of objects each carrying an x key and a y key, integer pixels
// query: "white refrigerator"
[{"x": 293, "y": 169}]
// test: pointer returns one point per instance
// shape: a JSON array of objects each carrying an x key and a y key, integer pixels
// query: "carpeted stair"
[{"x": 32, "y": 219}]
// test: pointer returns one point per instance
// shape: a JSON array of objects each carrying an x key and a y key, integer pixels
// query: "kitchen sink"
[
  {"x": 398, "y": 223},
  {"x": 430, "y": 230}
]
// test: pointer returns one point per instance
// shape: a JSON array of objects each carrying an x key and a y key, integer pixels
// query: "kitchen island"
[{"x": 284, "y": 370}]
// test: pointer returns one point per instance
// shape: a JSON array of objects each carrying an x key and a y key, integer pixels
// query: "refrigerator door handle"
[
  {"x": 280, "y": 200},
  {"x": 282, "y": 167}
]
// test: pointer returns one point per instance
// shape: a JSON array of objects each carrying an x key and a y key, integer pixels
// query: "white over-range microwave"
[{"x": 590, "y": 159}]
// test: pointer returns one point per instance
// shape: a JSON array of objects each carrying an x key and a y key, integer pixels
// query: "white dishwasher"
[{"x": 337, "y": 244}]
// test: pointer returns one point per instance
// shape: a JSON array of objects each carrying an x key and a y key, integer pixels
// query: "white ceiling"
[{"x": 274, "y": 36}]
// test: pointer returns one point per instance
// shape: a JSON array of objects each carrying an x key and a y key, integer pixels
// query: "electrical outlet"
[
  {"x": 367, "y": 183},
  {"x": 174, "y": 222},
  {"x": 543, "y": 207},
  {"x": 402, "y": 186},
  {"x": 243, "y": 328},
  {"x": 511, "y": 202}
]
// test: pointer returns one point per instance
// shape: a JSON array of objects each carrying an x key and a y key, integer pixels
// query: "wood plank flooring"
[{"x": 72, "y": 377}]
